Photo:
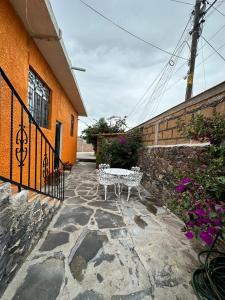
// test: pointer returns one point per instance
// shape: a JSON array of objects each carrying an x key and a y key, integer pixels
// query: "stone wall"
[
  {"x": 163, "y": 129},
  {"x": 22, "y": 223},
  {"x": 161, "y": 164}
]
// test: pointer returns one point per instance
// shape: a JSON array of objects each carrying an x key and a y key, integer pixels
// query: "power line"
[
  {"x": 211, "y": 38},
  {"x": 159, "y": 90},
  {"x": 129, "y": 32},
  {"x": 147, "y": 90},
  {"x": 182, "y": 2},
  {"x": 204, "y": 59},
  {"x": 222, "y": 14},
  {"x": 211, "y": 5},
  {"x": 220, "y": 55},
  {"x": 175, "y": 83},
  {"x": 203, "y": 66},
  {"x": 177, "y": 47}
]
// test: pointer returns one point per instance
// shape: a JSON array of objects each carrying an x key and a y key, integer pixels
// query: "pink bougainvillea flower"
[
  {"x": 122, "y": 140},
  {"x": 212, "y": 230},
  {"x": 180, "y": 188},
  {"x": 189, "y": 235},
  {"x": 190, "y": 224},
  {"x": 186, "y": 180},
  {"x": 217, "y": 222},
  {"x": 206, "y": 237},
  {"x": 200, "y": 212}
]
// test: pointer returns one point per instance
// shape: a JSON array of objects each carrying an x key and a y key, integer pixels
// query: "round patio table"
[{"x": 117, "y": 172}]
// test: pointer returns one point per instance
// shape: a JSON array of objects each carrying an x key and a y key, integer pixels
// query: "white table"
[{"x": 118, "y": 173}]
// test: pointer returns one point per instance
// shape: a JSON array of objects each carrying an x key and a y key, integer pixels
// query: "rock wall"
[
  {"x": 162, "y": 164},
  {"x": 22, "y": 223}
]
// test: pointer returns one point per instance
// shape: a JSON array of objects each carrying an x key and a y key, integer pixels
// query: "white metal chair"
[
  {"x": 132, "y": 180},
  {"x": 136, "y": 169},
  {"x": 105, "y": 180},
  {"x": 103, "y": 166}
]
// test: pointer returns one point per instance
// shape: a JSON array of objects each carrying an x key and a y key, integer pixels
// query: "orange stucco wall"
[{"x": 18, "y": 52}]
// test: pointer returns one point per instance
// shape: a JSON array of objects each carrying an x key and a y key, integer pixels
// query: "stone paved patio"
[{"x": 106, "y": 250}]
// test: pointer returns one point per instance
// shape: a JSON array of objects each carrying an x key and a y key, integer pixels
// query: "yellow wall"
[{"x": 18, "y": 52}]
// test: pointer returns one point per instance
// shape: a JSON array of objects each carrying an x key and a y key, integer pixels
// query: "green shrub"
[
  {"x": 202, "y": 195},
  {"x": 121, "y": 152},
  {"x": 102, "y": 126}
]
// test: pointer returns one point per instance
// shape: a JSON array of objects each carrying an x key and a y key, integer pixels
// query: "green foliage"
[
  {"x": 103, "y": 156},
  {"x": 121, "y": 152},
  {"x": 212, "y": 130},
  {"x": 205, "y": 129},
  {"x": 102, "y": 126},
  {"x": 202, "y": 195}
]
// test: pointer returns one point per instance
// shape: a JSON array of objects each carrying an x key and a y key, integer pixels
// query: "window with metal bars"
[
  {"x": 38, "y": 99},
  {"x": 72, "y": 125}
]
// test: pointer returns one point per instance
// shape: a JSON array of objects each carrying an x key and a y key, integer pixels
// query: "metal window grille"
[{"x": 38, "y": 99}]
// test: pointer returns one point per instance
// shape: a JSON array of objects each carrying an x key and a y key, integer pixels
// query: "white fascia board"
[{"x": 39, "y": 21}]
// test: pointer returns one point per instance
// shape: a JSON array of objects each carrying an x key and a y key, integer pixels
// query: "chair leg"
[
  {"x": 96, "y": 190},
  {"x": 139, "y": 192},
  {"x": 128, "y": 196},
  {"x": 105, "y": 186},
  {"x": 115, "y": 190}
]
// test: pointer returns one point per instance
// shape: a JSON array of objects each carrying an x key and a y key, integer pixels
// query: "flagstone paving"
[{"x": 113, "y": 250}]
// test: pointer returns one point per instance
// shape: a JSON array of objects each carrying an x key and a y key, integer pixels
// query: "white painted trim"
[
  {"x": 178, "y": 145},
  {"x": 53, "y": 50}
]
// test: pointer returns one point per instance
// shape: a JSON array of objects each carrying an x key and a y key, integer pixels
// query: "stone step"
[
  {"x": 5, "y": 193},
  {"x": 9, "y": 194},
  {"x": 20, "y": 198}
]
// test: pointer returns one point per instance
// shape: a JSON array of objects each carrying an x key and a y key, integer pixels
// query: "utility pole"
[{"x": 196, "y": 32}]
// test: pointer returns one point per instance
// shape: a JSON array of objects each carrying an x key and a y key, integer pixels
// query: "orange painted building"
[{"x": 33, "y": 57}]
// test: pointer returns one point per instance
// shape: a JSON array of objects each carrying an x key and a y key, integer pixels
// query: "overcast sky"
[{"x": 119, "y": 68}]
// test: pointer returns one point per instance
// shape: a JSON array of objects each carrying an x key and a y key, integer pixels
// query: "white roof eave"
[{"x": 40, "y": 23}]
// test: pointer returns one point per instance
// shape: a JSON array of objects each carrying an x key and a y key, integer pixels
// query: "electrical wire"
[
  {"x": 211, "y": 38},
  {"x": 222, "y": 14},
  {"x": 203, "y": 66},
  {"x": 162, "y": 83},
  {"x": 203, "y": 60},
  {"x": 182, "y": 2},
  {"x": 213, "y": 53},
  {"x": 211, "y": 5},
  {"x": 216, "y": 51},
  {"x": 158, "y": 91},
  {"x": 127, "y": 31},
  {"x": 159, "y": 76},
  {"x": 147, "y": 90}
]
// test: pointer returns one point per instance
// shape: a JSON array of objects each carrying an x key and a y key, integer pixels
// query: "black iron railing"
[{"x": 27, "y": 158}]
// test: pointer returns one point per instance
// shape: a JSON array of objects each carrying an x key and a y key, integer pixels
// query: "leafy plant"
[
  {"x": 121, "y": 152},
  {"x": 205, "y": 129},
  {"x": 102, "y": 126},
  {"x": 202, "y": 195},
  {"x": 203, "y": 216}
]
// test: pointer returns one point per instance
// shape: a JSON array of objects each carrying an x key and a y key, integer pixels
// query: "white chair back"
[
  {"x": 133, "y": 179},
  {"x": 104, "y": 178},
  {"x": 136, "y": 169},
  {"x": 103, "y": 166}
]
